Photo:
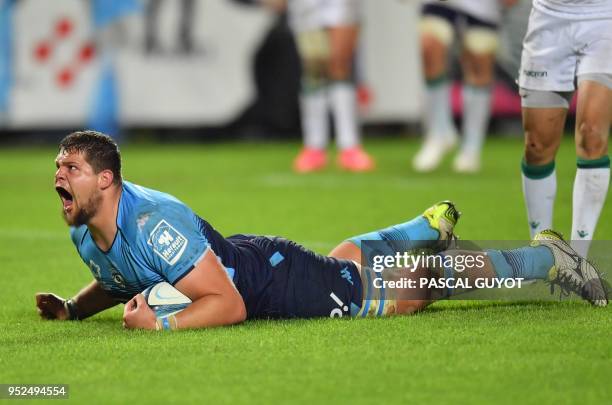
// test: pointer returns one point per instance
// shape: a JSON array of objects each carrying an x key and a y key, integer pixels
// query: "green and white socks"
[
  {"x": 590, "y": 191},
  {"x": 539, "y": 190}
]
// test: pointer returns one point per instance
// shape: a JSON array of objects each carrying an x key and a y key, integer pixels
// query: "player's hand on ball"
[
  {"x": 50, "y": 306},
  {"x": 138, "y": 315}
]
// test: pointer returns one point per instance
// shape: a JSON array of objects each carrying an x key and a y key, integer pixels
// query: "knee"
[
  {"x": 539, "y": 149},
  {"x": 591, "y": 141},
  {"x": 347, "y": 250},
  {"x": 433, "y": 53}
]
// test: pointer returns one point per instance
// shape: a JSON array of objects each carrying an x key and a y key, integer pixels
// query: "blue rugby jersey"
[
  {"x": 158, "y": 239},
  {"x": 161, "y": 239}
]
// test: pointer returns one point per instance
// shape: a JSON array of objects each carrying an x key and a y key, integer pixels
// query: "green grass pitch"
[{"x": 455, "y": 351}]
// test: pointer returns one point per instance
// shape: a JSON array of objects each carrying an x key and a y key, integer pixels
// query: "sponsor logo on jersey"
[
  {"x": 95, "y": 269},
  {"x": 117, "y": 277},
  {"x": 167, "y": 242},
  {"x": 535, "y": 73},
  {"x": 142, "y": 220},
  {"x": 346, "y": 274},
  {"x": 583, "y": 234}
]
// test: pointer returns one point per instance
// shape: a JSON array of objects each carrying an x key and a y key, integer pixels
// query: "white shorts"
[
  {"x": 556, "y": 51},
  {"x": 311, "y": 15}
]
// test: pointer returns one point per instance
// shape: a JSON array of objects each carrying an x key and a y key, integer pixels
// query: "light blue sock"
[
  {"x": 528, "y": 262},
  {"x": 417, "y": 233}
]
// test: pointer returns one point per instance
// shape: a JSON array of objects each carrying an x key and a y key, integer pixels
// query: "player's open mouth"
[{"x": 65, "y": 196}]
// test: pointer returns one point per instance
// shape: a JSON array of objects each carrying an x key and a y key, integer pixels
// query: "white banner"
[
  {"x": 166, "y": 71},
  {"x": 177, "y": 62},
  {"x": 392, "y": 60}
]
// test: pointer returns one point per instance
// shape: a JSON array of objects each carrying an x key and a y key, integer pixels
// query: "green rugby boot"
[{"x": 443, "y": 217}]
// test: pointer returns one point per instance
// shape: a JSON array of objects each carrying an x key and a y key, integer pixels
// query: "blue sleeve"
[
  {"x": 172, "y": 242},
  {"x": 76, "y": 235}
]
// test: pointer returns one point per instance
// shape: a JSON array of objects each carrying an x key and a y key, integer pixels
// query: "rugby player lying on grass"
[{"x": 132, "y": 238}]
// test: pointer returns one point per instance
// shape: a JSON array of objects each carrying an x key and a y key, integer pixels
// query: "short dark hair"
[{"x": 98, "y": 149}]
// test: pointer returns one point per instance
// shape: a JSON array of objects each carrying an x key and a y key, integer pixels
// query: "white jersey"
[
  {"x": 310, "y": 15},
  {"x": 487, "y": 10},
  {"x": 575, "y": 9}
]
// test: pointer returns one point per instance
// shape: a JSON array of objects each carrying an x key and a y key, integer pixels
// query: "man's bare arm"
[
  {"x": 216, "y": 302},
  {"x": 89, "y": 301},
  {"x": 92, "y": 299}
]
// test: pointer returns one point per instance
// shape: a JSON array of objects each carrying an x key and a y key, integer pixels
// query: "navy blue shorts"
[
  {"x": 456, "y": 18},
  {"x": 278, "y": 278}
]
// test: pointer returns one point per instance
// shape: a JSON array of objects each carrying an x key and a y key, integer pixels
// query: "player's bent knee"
[{"x": 347, "y": 250}]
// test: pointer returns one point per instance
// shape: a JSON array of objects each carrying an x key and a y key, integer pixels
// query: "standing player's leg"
[
  {"x": 593, "y": 173},
  {"x": 480, "y": 44},
  {"x": 543, "y": 128},
  {"x": 546, "y": 81},
  {"x": 437, "y": 34},
  {"x": 343, "y": 100},
  {"x": 314, "y": 52}
]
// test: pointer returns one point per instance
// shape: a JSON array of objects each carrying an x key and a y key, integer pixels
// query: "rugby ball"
[{"x": 165, "y": 300}]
